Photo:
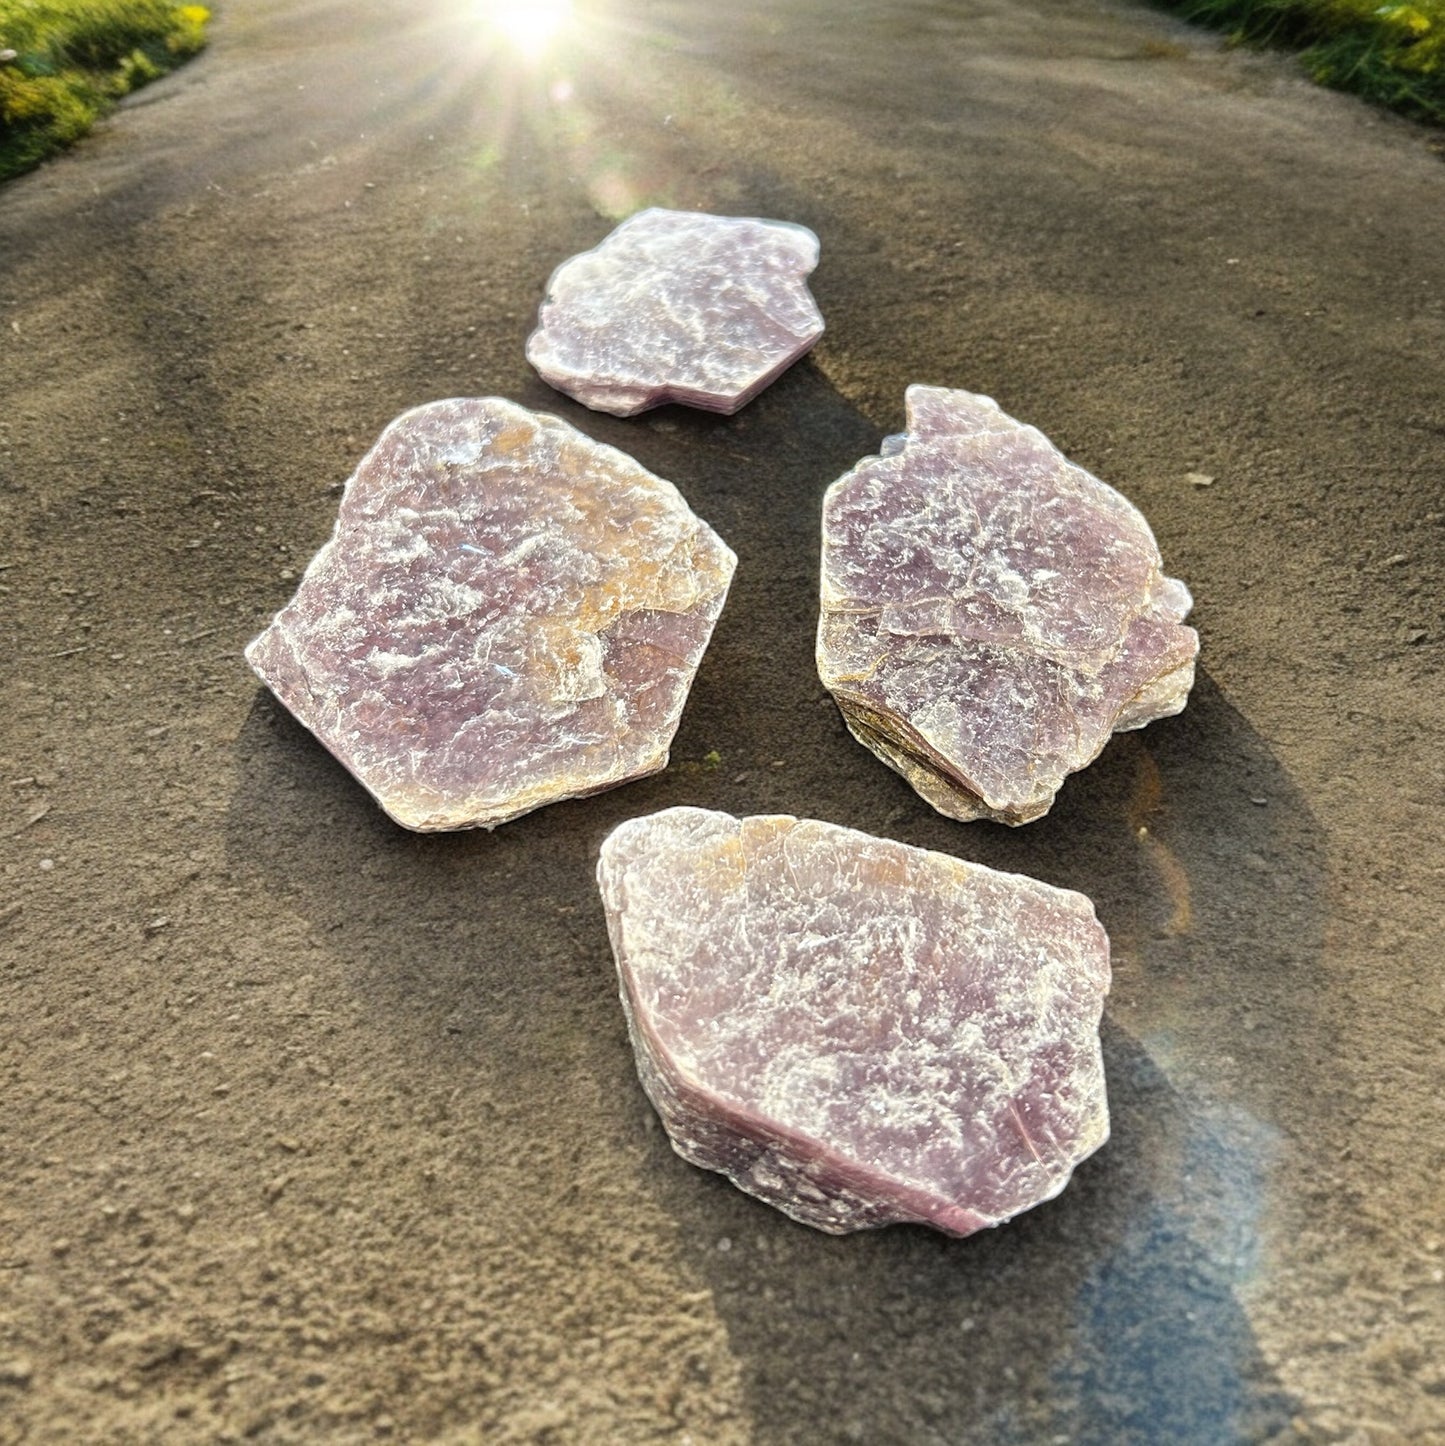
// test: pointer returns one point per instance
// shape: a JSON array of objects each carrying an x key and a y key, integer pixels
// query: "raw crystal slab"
[
  {"x": 507, "y": 613},
  {"x": 856, "y": 1031},
  {"x": 678, "y": 306},
  {"x": 991, "y": 612}
]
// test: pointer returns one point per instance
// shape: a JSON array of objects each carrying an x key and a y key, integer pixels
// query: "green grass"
[
  {"x": 1393, "y": 53},
  {"x": 75, "y": 59}
]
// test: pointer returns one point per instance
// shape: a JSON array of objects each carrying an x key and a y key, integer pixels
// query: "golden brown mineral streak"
[{"x": 507, "y": 614}]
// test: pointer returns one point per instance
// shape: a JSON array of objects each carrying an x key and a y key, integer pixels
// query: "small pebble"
[
  {"x": 724, "y": 1245},
  {"x": 1259, "y": 799},
  {"x": 16, "y": 1372},
  {"x": 1199, "y": 479},
  {"x": 46, "y": 865}
]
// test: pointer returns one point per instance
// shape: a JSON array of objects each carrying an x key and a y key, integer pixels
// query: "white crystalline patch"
[
  {"x": 678, "y": 306},
  {"x": 857, "y": 1031},
  {"x": 461, "y": 454},
  {"x": 991, "y": 612},
  {"x": 507, "y": 614}
]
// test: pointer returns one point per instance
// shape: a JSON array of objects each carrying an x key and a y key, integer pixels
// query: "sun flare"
[{"x": 528, "y": 26}]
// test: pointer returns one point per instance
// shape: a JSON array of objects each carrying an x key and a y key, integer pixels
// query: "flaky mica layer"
[
  {"x": 678, "y": 306},
  {"x": 991, "y": 612},
  {"x": 507, "y": 614},
  {"x": 853, "y": 1030}
]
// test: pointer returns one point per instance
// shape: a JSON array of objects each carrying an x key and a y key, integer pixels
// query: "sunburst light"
[{"x": 529, "y": 26}]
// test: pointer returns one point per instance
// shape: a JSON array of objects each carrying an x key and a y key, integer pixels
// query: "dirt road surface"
[{"x": 315, "y": 1130}]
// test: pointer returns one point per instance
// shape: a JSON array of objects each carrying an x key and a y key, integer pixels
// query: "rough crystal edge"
[
  {"x": 780, "y": 1166},
  {"x": 621, "y": 400},
  {"x": 631, "y": 402},
  {"x": 299, "y": 701},
  {"x": 706, "y": 1133},
  {"x": 946, "y": 790},
  {"x": 922, "y": 768}
]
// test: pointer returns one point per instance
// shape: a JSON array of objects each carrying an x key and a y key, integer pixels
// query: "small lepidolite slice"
[
  {"x": 507, "y": 613},
  {"x": 853, "y": 1030},
  {"x": 991, "y": 612},
  {"x": 678, "y": 306}
]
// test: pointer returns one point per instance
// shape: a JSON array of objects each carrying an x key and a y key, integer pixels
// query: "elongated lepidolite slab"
[
  {"x": 856, "y": 1031},
  {"x": 507, "y": 613},
  {"x": 678, "y": 306},
  {"x": 991, "y": 612}
]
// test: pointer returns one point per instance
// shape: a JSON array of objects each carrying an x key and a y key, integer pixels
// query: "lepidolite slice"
[
  {"x": 853, "y": 1030},
  {"x": 991, "y": 612},
  {"x": 678, "y": 306},
  {"x": 507, "y": 613}
]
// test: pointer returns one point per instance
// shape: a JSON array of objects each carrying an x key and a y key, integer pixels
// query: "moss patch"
[{"x": 73, "y": 59}]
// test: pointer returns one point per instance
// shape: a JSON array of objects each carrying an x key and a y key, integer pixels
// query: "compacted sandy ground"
[{"x": 316, "y": 1130}]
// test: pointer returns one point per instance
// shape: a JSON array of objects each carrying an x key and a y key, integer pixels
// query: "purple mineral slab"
[
  {"x": 678, "y": 306},
  {"x": 507, "y": 613},
  {"x": 991, "y": 612},
  {"x": 856, "y": 1031}
]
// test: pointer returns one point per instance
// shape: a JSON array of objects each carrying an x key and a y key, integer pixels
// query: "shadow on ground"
[{"x": 1109, "y": 1315}]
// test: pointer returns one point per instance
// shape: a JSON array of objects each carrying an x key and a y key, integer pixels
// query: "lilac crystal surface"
[
  {"x": 507, "y": 614},
  {"x": 678, "y": 306},
  {"x": 856, "y": 1031},
  {"x": 991, "y": 612}
]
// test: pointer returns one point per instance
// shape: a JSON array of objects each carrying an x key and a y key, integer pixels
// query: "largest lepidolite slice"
[
  {"x": 507, "y": 614},
  {"x": 857, "y": 1031},
  {"x": 678, "y": 306},
  {"x": 991, "y": 612}
]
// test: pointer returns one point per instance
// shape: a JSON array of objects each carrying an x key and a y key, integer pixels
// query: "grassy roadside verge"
[
  {"x": 1389, "y": 51},
  {"x": 73, "y": 59}
]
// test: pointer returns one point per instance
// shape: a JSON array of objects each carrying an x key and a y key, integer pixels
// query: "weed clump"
[
  {"x": 64, "y": 63},
  {"x": 1392, "y": 53}
]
